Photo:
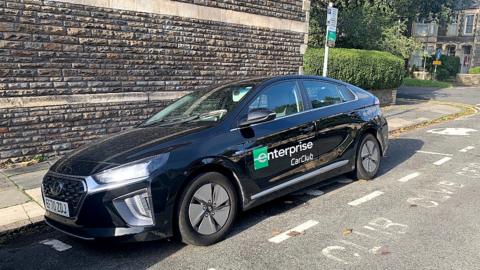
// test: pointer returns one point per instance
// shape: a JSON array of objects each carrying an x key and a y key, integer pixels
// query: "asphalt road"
[
  {"x": 422, "y": 212},
  {"x": 467, "y": 95}
]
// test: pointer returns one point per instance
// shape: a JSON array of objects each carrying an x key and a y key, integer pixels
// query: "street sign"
[
  {"x": 332, "y": 18},
  {"x": 438, "y": 55},
  {"x": 437, "y": 62},
  {"x": 331, "y": 34}
]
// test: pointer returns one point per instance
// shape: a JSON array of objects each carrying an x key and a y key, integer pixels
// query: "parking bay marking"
[
  {"x": 441, "y": 161},
  {"x": 435, "y": 153},
  {"x": 366, "y": 198},
  {"x": 299, "y": 229},
  {"x": 56, "y": 244},
  {"x": 466, "y": 149},
  {"x": 409, "y": 177}
]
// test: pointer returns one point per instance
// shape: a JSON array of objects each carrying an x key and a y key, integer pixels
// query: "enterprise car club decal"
[{"x": 261, "y": 155}]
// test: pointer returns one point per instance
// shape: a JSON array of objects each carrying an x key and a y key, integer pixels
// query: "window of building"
[
  {"x": 467, "y": 49},
  {"x": 469, "y": 21},
  {"x": 451, "y": 50}
]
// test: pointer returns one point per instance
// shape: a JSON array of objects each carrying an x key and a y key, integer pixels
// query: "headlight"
[{"x": 135, "y": 170}]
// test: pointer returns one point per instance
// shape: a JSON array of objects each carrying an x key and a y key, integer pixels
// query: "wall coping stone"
[
  {"x": 27, "y": 102},
  {"x": 172, "y": 8}
]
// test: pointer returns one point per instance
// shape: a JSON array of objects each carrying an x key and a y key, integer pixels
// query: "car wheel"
[
  {"x": 368, "y": 158},
  {"x": 207, "y": 209}
]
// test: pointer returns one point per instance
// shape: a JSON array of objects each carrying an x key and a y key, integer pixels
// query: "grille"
[{"x": 72, "y": 191}]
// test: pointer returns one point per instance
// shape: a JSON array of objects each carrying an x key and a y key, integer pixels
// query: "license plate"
[{"x": 57, "y": 207}]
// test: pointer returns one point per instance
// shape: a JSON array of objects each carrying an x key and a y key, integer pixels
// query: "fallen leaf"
[
  {"x": 347, "y": 231},
  {"x": 276, "y": 232},
  {"x": 294, "y": 233},
  {"x": 413, "y": 205}
]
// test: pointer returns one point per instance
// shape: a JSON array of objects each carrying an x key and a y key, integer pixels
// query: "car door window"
[
  {"x": 322, "y": 94},
  {"x": 282, "y": 98}
]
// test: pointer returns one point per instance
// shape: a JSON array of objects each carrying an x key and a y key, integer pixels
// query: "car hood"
[{"x": 125, "y": 147}]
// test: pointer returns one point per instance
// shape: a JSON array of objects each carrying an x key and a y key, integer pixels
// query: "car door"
[
  {"x": 281, "y": 148},
  {"x": 332, "y": 106}
]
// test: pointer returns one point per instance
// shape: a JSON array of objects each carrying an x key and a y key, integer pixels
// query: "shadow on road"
[{"x": 143, "y": 255}]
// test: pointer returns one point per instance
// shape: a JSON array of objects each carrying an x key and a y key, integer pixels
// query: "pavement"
[{"x": 421, "y": 212}]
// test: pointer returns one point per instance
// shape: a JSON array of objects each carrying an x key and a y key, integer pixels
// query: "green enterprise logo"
[{"x": 260, "y": 158}]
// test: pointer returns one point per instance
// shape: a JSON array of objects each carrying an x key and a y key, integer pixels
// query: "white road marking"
[
  {"x": 452, "y": 131},
  {"x": 56, "y": 244},
  {"x": 441, "y": 161},
  {"x": 435, "y": 153},
  {"x": 409, "y": 177},
  {"x": 300, "y": 228},
  {"x": 466, "y": 149},
  {"x": 366, "y": 198}
]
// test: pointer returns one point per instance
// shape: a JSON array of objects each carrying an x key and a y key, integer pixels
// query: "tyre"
[
  {"x": 368, "y": 158},
  {"x": 207, "y": 209}
]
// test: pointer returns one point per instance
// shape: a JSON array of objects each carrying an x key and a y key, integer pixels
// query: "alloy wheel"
[
  {"x": 370, "y": 156},
  {"x": 209, "y": 209}
]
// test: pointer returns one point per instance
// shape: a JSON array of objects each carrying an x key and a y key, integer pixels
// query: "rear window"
[
  {"x": 347, "y": 94},
  {"x": 322, "y": 94}
]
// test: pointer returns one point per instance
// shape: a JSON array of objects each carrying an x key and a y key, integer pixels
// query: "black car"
[{"x": 190, "y": 168}]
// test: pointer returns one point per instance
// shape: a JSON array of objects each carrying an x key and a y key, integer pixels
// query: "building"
[
  {"x": 74, "y": 70},
  {"x": 460, "y": 37}
]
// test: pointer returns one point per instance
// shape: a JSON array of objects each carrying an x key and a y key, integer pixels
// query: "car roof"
[{"x": 272, "y": 79}]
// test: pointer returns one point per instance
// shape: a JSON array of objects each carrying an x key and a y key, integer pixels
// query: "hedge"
[
  {"x": 370, "y": 70},
  {"x": 474, "y": 70}
]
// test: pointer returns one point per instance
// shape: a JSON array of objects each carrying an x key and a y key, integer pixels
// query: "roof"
[{"x": 468, "y": 4}]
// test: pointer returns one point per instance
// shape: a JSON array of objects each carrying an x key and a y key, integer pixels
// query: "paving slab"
[
  {"x": 36, "y": 194},
  {"x": 6, "y": 184},
  {"x": 29, "y": 180},
  {"x": 12, "y": 197}
]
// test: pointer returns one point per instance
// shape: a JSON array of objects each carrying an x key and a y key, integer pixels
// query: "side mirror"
[{"x": 257, "y": 116}]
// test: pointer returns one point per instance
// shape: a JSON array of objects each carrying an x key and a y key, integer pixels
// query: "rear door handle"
[{"x": 307, "y": 129}]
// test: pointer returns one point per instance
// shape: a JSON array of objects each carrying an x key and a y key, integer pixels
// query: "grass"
[{"x": 425, "y": 83}]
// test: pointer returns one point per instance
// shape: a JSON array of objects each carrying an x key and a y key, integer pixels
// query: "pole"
[
  {"x": 325, "y": 61},
  {"x": 325, "y": 57}
]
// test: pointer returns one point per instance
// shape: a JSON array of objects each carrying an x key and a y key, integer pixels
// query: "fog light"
[{"x": 135, "y": 208}]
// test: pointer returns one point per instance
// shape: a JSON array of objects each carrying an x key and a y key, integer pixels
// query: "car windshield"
[{"x": 210, "y": 105}]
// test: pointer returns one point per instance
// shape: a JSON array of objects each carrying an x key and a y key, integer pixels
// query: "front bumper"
[{"x": 96, "y": 213}]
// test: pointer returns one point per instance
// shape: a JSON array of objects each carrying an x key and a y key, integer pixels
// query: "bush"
[
  {"x": 449, "y": 68},
  {"x": 474, "y": 70},
  {"x": 442, "y": 74},
  {"x": 370, "y": 70}
]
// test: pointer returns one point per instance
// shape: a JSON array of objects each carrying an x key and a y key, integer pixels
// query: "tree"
[{"x": 378, "y": 24}]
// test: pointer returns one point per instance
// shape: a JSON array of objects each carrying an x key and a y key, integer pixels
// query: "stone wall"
[
  {"x": 386, "y": 97},
  {"x": 468, "y": 79},
  {"x": 69, "y": 73}
]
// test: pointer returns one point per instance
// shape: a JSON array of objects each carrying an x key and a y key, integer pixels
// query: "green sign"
[
  {"x": 332, "y": 36},
  {"x": 260, "y": 158}
]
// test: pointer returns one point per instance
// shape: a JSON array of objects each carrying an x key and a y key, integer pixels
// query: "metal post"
[
  {"x": 325, "y": 61},
  {"x": 325, "y": 56}
]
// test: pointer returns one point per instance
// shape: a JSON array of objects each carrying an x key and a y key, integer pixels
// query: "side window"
[
  {"x": 282, "y": 98},
  {"x": 347, "y": 94},
  {"x": 322, "y": 94}
]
